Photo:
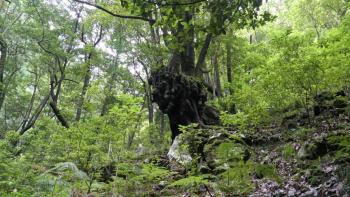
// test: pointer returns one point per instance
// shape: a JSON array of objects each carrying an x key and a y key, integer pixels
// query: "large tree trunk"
[
  {"x": 179, "y": 89},
  {"x": 3, "y": 56},
  {"x": 187, "y": 55},
  {"x": 183, "y": 99}
]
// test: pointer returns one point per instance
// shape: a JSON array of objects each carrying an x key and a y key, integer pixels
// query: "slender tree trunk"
[
  {"x": 87, "y": 76},
  {"x": 150, "y": 106},
  {"x": 31, "y": 104},
  {"x": 131, "y": 135},
  {"x": 203, "y": 54},
  {"x": 31, "y": 121},
  {"x": 217, "y": 81},
  {"x": 3, "y": 56},
  {"x": 54, "y": 99},
  {"x": 162, "y": 125},
  {"x": 86, "y": 84},
  {"x": 229, "y": 53},
  {"x": 109, "y": 97}
]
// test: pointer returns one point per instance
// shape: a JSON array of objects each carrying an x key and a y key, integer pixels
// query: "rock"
[
  {"x": 141, "y": 150},
  {"x": 161, "y": 185},
  {"x": 292, "y": 192},
  {"x": 179, "y": 153},
  {"x": 310, "y": 193},
  {"x": 340, "y": 189}
]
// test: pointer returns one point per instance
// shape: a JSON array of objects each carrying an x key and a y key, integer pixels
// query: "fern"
[
  {"x": 64, "y": 167},
  {"x": 237, "y": 180},
  {"x": 191, "y": 181},
  {"x": 153, "y": 172}
]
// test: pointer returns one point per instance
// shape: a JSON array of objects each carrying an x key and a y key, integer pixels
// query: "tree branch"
[
  {"x": 100, "y": 35},
  {"x": 161, "y": 4},
  {"x": 30, "y": 123},
  {"x": 58, "y": 114},
  {"x": 152, "y": 21},
  {"x": 204, "y": 51}
]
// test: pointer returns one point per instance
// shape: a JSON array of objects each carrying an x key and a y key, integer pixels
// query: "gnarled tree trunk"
[
  {"x": 183, "y": 99},
  {"x": 179, "y": 88}
]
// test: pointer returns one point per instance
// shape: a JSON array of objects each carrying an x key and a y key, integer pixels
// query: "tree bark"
[
  {"x": 148, "y": 91},
  {"x": 217, "y": 81},
  {"x": 203, "y": 54},
  {"x": 229, "y": 52},
  {"x": 31, "y": 121},
  {"x": 183, "y": 99},
  {"x": 83, "y": 91},
  {"x": 54, "y": 99},
  {"x": 176, "y": 93},
  {"x": 87, "y": 76},
  {"x": 58, "y": 114},
  {"x": 162, "y": 125},
  {"x": 188, "y": 54},
  {"x": 3, "y": 57}
]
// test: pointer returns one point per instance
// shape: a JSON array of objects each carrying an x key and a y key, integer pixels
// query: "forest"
[{"x": 174, "y": 98}]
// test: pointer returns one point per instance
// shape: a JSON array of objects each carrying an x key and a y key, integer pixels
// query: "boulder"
[
  {"x": 179, "y": 152},
  {"x": 216, "y": 152}
]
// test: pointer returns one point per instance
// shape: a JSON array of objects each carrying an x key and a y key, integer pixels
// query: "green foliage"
[
  {"x": 134, "y": 179},
  {"x": 342, "y": 143},
  {"x": 190, "y": 182},
  {"x": 301, "y": 133},
  {"x": 68, "y": 169},
  {"x": 267, "y": 171},
  {"x": 194, "y": 138},
  {"x": 288, "y": 151},
  {"x": 151, "y": 173},
  {"x": 230, "y": 152},
  {"x": 52, "y": 58},
  {"x": 237, "y": 180}
]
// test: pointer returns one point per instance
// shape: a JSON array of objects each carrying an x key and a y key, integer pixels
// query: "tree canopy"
[{"x": 174, "y": 97}]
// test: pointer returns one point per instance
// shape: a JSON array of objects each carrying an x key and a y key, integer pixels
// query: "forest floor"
[
  {"x": 287, "y": 162},
  {"x": 309, "y": 161}
]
